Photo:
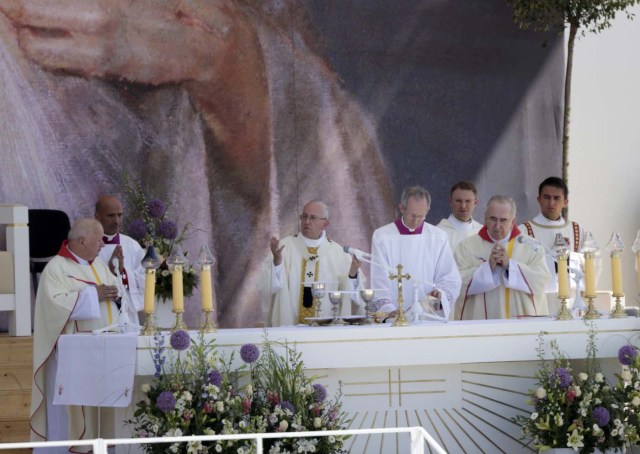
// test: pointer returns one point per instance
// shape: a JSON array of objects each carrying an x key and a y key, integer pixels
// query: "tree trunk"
[{"x": 573, "y": 31}]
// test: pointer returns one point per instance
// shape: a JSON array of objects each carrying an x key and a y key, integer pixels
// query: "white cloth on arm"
[{"x": 427, "y": 257}]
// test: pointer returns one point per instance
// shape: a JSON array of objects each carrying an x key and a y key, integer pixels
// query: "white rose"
[
  {"x": 534, "y": 415},
  {"x": 317, "y": 423},
  {"x": 578, "y": 391},
  {"x": 145, "y": 388},
  {"x": 187, "y": 396},
  {"x": 541, "y": 393},
  {"x": 249, "y": 390},
  {"x": 283, "y": 425},
  {"x": 220, "y": 406},
  {"x": 635, "y": 401},
  {"x": 599, "y": 378},
  {"x": 626, "y": 375},
  {"x": 582, "y": 376}
]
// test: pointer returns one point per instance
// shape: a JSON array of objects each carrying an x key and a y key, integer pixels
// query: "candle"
[
  {"x": 149, "y": 291},
  {"x": 589, "y": 276},
  {"x": 563, "y": 277},
  {"x": 638, "y": 267},
  {"x": 616, "y": 275},
  {"x": 178, "y": 293},
  {"x": 205, "y": 285}
]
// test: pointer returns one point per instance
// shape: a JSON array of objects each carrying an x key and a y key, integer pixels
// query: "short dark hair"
[
  {"x": 465, "y": 186},
  {"x": 555, "y": 182}
]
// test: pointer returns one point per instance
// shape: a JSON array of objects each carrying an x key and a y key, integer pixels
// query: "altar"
[{"x": 461, "y": 381}]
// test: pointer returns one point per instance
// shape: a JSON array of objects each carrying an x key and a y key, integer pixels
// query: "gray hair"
[
  {"x": 416, "y": 192},
  {"x": 325, "y": 208},
  {"x": 83, "y": 228},
  {"x": 505, "y": 199}
]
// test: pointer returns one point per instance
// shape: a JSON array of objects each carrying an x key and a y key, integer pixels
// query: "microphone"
[
  {"x": 535, "y": 244},
  {"x": 357, "y": 252}
]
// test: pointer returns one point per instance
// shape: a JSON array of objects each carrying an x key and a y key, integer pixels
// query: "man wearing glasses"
[
  {"x": 301, "y": 259},
  {"x": 423, "y": 251},
  {"x": 501, "y": 277}
]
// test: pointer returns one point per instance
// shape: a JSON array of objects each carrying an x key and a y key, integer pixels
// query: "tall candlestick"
[
  {"x": 589, "y": 275},
  {"x": 205, "y": 285},
  {"x": 563, "y": 277},
  {"x": 178, "y": 292},
  {"x": 149, "y": 290},
  {"x": 616, "y": 274}
]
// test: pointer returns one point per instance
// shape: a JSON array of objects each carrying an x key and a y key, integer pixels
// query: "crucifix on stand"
[{"x": 401, "y": 319}]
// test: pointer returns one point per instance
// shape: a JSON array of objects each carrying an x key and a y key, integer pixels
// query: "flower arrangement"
[
  {"x": 628, "y": 392},
  {"x": 201, "y": 394},
  {"x": 572, "y": 410},
  {"x": 149, "y": 227}
]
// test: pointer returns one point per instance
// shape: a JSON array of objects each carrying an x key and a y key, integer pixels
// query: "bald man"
[{"x": 125, "y": 249}]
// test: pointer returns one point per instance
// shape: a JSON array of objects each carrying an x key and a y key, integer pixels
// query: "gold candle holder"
[
  {"x": 150, "y": 327},
  {"x": 591, "y": 313},
  {"x": 209, "y": 325},
  {"x": 618, "y": 311},
  {"x": 564, "y": 313},
  {"x": 179, "y": 322}
]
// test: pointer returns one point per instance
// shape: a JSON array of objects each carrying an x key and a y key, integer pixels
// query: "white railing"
[{"x": 419, "y": 436}]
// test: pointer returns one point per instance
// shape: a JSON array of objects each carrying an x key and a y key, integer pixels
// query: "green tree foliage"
[{"x": 580, "y": 16}]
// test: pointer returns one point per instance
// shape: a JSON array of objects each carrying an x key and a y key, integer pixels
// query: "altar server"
[
  {"x": 423, "y": 251},
  {"x": 553, "y": 197},
  {"x": 128, "y": 251},
  {"x": 501, "y": 278},
  {"x": 76, "y": 294},
  {"x": 301, "y": 259},
  {"x": 460, "y": 223}
]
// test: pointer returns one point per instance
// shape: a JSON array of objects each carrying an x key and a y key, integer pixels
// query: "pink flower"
[
  {"x": 208, "y": 408},
  {"x": 246, "y": 406},
  {"x": 273, "y": 398},
  {"x": 571, "y": 394}
]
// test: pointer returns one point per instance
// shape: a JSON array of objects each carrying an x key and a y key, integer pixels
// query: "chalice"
[
  {"x": 336, "y": 301},
  {"x": 317, "y": 291},
  {"x": 367, "y": 296}
]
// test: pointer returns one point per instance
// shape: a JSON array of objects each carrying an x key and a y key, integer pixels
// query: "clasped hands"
[{"x": 498, "y": 257}]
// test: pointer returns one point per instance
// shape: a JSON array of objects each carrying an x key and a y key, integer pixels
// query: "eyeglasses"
[
  {"x": 312, "y": 218},
  {"x": 416, "y": 217}
]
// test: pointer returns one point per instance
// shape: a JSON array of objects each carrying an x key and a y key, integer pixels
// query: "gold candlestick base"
[
  {"x": 150, "y": 327},
  {"x": 591, "y": 313},
  {"x": 618, "y": 311},
  {"x": 564, "y": 313},
  {"x": 179, "y": 323},
  {"x": 209, "y": 325}
]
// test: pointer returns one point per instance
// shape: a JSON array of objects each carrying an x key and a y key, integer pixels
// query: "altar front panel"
[{"x": 461, "y": 381}]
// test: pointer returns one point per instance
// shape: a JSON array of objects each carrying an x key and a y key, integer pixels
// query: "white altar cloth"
[{"x": 95, "y": 370}]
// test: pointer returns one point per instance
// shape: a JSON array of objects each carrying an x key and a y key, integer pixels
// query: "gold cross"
[{"x": 401, "y": 319}]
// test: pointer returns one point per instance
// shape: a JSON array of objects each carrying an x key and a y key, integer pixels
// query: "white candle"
[
  {"x": 616, "y": 275},
  {"x": 563, "y": 277},
  {"x": 205, "y": 286},
  {"x": 589, "y": 276},
  {"x": 178, "y": 292},
  {"x": 149, "y": 291}
]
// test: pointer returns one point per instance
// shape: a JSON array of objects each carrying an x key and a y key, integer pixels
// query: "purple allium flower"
[
  {"x": 168, "y": 230},
  {"x": 601, "y": 416},
  {"x": 166, "y": 401},
  {"x": 563, "y": 377},
  {"x": 215, "y": 377},
  {"x": 137, "y": 229},
  {"x": 626, "y": 354},
  {"x": 320, "y": 391},
  {"x": 286, "y": 405},
  {"x": 155, "y": 208},
  {"x": 249, "y": 353},
  {"x": 180, "y": 340}
]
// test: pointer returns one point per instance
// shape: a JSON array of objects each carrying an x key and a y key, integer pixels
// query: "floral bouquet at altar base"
[
  {"x": 628, "y": 392},
  {"x": 573, "y": 410},
  {"x": 197, "y": 392},
  {"x": 148, "y": 226}
]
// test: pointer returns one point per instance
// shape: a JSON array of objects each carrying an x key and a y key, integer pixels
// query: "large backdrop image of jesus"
[{"x": 239, "y": 112}]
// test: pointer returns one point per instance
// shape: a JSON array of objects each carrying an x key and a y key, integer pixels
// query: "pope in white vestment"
[
  {"x": 75, "y": 295},
  {"x": 501, "y": 278},
  {"x": 424, "y": 254}
]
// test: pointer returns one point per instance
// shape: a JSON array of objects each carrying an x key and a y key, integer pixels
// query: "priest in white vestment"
[
  {"x": 299, "y": 260},
  {"x": 128, "y": 251},
  {"x": 501, "y": 278},
  {"x": 423, "y": 251},
  {"x": 76, "y": 294},
  {"x": 463, "y": 199},
  {"x": 553, "y": 197}
]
